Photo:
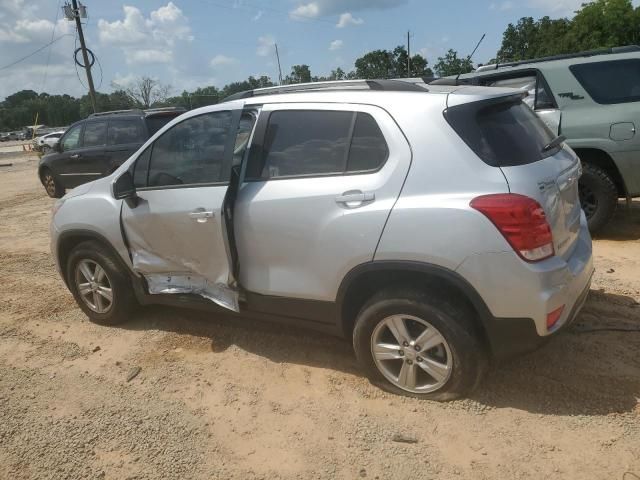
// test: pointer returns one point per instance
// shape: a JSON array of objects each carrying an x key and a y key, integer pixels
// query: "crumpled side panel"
[
  {"x": 176, "y": 252},
  {"x": 218, "y": 293}
]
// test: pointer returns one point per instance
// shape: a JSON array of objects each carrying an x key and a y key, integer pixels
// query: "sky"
[{"x": 194, "y": 43}]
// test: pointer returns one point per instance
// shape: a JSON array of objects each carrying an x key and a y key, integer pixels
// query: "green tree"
[
  {"x": 605, "y": 23},
  {"x": 390, "y": 64},
  {"x": 597, "y": 24},
  {"x": 248, "y": 84},
  {"x": 299, "y": 74},
  {"x": 450, "y": 64}
]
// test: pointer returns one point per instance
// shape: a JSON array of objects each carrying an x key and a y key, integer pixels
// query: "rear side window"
[
  {"x": 503, "y": 133},
  {"x": 124, "y": 130},
  {"x": 299, "y": 142},
  {"x": 320, "y": 142},
  {"x": 615, "y": 81},
  {"x": 156, "y": 122},
  {"x": 95, "y": 134}
]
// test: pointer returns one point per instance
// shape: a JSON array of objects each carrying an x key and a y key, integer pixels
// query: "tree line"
[{"x": 598, "y": 24}]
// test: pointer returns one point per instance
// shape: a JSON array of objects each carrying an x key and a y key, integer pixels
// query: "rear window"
[
  {"x": 615, "y": 81},
  {"x": 502, "y": 133}
]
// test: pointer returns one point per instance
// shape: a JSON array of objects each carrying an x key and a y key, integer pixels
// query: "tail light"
[
  {"x": 553, "y": 317},
  {"x": 522, "y": 222}
]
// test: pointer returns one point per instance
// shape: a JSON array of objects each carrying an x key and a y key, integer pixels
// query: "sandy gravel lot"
[{"x": 221, "y": 398}]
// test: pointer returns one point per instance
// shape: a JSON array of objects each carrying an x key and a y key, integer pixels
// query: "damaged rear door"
[{"x": 175, "y": 227}]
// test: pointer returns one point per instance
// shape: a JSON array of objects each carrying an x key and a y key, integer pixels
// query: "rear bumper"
[
  {"x": 509, "y": 337},
  {"x": 520, "y": 295}
]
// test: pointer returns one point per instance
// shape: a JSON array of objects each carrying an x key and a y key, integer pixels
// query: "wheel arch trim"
[
  {"x": 436, "y": 272},
  {"x": 65, "y": 243}
]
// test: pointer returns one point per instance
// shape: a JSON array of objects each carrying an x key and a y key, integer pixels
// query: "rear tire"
[
  {"x": 598, "y": 196},
  {"x": 100, "y": 285},
  {"x": 51, "y": 184},
  {"x": 460, "y": 349}
]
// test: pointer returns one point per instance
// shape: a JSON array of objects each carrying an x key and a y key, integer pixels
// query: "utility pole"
[
  {"x": 279, "y": 69},
  {"x": 85, "y": 55},
  {"x": 408, "y": 54}
]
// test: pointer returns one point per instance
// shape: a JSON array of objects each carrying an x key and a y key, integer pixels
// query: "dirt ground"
[{"x": 221, "y": 398}]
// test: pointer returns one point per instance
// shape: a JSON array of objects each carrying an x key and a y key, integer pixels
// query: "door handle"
[
  {"x": 355, "y": 198},
  {"x": 201, "y": 215},
  {"x": 74, "y": 156}
]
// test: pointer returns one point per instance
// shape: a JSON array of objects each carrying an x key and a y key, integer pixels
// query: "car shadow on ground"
[
  {"x": 579, "y": 372},
  {"x": 625, "y": 224}
]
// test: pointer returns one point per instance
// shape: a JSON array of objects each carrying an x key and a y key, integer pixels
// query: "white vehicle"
[{"x": 48, "y": 141}]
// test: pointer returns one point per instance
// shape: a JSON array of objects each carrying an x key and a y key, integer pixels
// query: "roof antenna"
[{"x": 474, "y": 51}]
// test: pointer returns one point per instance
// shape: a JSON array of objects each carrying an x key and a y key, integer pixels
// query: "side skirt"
[{"x": 307, "y": 314}]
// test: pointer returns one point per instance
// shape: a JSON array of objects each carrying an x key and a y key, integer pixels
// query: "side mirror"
[
  {"x": 57, "y": 147},
  {"x": 123, "y": 187}
]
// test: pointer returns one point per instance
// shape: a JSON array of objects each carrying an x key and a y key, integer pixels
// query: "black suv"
[{"x": 96, "y": 146}]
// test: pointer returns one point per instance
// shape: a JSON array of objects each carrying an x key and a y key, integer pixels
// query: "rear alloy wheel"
[
  {"x": 421, "y": 344},
  {"x": 411, "y": 353},
  {"x": 51, "y": 185}
]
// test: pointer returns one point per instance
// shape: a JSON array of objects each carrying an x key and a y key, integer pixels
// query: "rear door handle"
[
  {"x": 201, "y": 215},
  {"x": 74, "y": 156},
  {"x": 355, "y": 198}
]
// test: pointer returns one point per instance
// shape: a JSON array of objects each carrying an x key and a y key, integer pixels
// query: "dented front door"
[{"x": 175, "y": 229}]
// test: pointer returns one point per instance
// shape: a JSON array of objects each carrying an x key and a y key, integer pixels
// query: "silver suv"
[
  {"x": 437, "y": 229},
  {"x": 592, "y": 99}
]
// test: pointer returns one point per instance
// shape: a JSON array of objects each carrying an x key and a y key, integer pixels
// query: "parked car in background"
[
  {"x": 435, "y": 229},
  {"x": 593, "y": 99},
  {"x": 96, "y": 146},
  {"x": 10, "y": 136},
  {"x": 47, "y": 142}
]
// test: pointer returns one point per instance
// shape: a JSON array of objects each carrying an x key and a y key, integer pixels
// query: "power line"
[
  {"x": 53, "y": 32},
  {"x": 22, "y": 59}
]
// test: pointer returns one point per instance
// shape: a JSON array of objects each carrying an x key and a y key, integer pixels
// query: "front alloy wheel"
[
  {"x": 94, "y": 286},
  {"x": 411, "y": 353}
]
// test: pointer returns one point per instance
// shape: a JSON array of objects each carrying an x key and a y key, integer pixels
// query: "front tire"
[
  {"x": 51, "y": 184},
  {"x": 418, "y": 344},
  {"x": 100, "y": 285},
  {"x": 598, "y": 196}
]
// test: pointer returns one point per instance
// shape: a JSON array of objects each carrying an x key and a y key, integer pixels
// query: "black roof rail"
[
  {"x": 148, "y": 111},
  {"x": 116, "y": 112},
  {"x": 382, "y": 85},
  {"x": 139, "y": 111},
  {"x": 587, "y": 53},
  {"x": 451, "y": 81}
]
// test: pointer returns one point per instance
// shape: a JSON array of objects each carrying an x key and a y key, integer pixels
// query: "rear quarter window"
[
  {"x": 615, "y": 81},
  {"x": 503, "y": 132}
]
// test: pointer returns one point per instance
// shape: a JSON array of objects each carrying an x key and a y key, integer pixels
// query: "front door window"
[{"x": 72, "y": 139}]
